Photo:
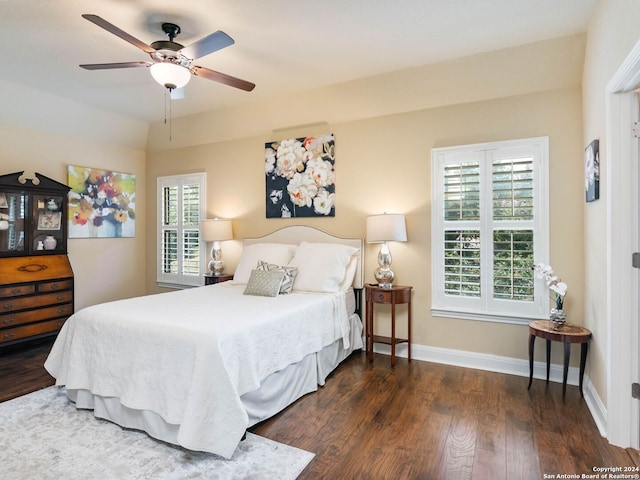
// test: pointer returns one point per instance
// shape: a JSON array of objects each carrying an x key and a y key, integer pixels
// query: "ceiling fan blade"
[
  {"x": 222, "y": 78},
  {"x": 105, "y": 66},
  {"x": 101, "y": 22},
  {"x": 209, "y": 44}
]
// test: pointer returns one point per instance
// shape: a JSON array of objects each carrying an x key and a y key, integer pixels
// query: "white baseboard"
[
  {"x": 511, "y": 366},
  {"x": 596, "y": 407}
]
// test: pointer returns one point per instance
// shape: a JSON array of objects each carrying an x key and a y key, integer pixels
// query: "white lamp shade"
[
  {"x": 216, "y": 230},
  {"x": 170, "y": 75},
  {"x": 388, "y": 227}
]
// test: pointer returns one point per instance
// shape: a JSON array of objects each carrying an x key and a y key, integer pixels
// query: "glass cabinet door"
[
  {"x": 13, "y": 224},
  {"x": 48, "y": 233}
]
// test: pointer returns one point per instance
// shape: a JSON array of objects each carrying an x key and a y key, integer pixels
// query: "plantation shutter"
[
  {"x": 191, "y": 229},
  {"x": 513, "y": 205},
  {"x": 462, "y": 275},
  {"x": 489, "y": 222},
  {"x": 181, "y": 210}
]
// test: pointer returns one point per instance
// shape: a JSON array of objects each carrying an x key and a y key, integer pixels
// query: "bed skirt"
[{"x": 276, "y": 392}]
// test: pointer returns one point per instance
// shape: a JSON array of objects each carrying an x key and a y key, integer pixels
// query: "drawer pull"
[
  {"x": 54, "y": 286},
  {"x": 62, "y": 310},
  {"x": 8, "y": 321},
  {"x": 7, "y": 306},
  {"x": 16, "y": 291},
  {"x": 7, "y": 336},
  {"x": 61, "y": 297}
]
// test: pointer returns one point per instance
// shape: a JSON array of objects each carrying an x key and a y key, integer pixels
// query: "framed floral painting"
[
  {"x": 300, "y": 177},
  {"x": 592, "y": 171},
  {"x": 102, "y": 203}
]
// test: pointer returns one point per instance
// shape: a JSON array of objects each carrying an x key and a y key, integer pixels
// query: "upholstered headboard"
[{"x": 295, "y": 234}]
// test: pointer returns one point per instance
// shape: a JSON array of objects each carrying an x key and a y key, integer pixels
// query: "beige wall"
[
  {"x": 104, "y": 269},
  {"x": 612, "y": 34},
  {"x": 383, "y": 164},
  {"x": 535, "y": 67}
]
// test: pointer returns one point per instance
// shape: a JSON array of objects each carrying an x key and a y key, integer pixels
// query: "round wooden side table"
[{"x": 568, "y": 334}]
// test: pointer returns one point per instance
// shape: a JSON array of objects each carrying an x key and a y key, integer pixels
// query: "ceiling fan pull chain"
[
  {"x": 165, "y": 106},
  {"x": 167, "y": 98}
]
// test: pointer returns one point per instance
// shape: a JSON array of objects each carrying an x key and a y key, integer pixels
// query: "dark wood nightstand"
[
  {"x": 210, "y": 279},
  {"x": 568, "y": 334},
  {"x": 395, "y": 295}
]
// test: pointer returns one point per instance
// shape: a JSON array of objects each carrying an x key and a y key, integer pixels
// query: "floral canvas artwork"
[
  {"x": 101, "y": 203},
  {"x": 300, "y": 177}
]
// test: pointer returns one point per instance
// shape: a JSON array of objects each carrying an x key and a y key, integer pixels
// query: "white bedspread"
[{"x": 189, "y": 355}]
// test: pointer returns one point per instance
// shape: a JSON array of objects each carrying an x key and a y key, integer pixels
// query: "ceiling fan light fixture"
[{"x": 170, "y": 75}]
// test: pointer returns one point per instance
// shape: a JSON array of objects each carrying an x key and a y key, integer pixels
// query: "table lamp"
[
  {"x": 388, "y": 227},
  {"x": 216, "y": 230}
]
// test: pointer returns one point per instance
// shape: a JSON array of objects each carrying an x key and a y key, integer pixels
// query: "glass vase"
[{"x": 557, "y": 318}]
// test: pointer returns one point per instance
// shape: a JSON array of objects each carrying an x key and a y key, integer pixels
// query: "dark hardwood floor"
[
  {"x": 21, "y": 369},
  {"x": 418, "y": 420}
]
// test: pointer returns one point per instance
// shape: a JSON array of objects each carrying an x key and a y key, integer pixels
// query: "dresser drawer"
[
  {"x": 387, "y": 296},
  {"x": 36, "y": 295},
  {"x": 12, "y": 334},
  {"x": 16, "y": 291},
  {"x": 381, "y": 297},
  {"x": 22, "y": 303},
  {"x": 54, "y": 286},
  {"x": 15, "y": 319}
]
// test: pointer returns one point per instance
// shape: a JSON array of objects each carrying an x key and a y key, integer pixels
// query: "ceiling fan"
[{"x": 170, "y": 63}]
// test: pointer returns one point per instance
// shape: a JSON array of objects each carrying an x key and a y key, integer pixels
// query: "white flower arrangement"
[{"x": 553, "y": 282}]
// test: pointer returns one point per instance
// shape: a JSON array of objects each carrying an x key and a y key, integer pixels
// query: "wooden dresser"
[{"x": 36, "y": 296}]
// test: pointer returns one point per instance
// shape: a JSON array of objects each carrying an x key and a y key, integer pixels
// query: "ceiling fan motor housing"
[{"x": 166, "y": 45}]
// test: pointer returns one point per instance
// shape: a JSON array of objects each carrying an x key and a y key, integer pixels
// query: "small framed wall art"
[
  {"x": 592, "y": 171},
  {"x": 102, "y": 203}
]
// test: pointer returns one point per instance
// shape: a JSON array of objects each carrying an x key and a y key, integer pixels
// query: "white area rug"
[{"x": 43, "y": 436}]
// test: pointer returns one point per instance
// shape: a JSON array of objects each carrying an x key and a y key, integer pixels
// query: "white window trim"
[
  {"x": 180, "y": 281},
  {"x": 489, "y": 309}
]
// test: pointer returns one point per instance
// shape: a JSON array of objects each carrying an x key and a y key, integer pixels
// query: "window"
[
  {"x": 489, "y": 227},
  {"x": 181, "y": 202}
]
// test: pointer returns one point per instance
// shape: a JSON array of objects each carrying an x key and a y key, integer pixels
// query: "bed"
[{"x": 197, "y": 367}]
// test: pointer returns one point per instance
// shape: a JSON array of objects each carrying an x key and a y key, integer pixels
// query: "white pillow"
[
  {"x": 350, "y": 273},
  {"x": 321, "y": 266},
  {"x": 278, "y": 253}
]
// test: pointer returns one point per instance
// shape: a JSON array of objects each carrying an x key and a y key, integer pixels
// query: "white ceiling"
[{"x": 282, "y": 46}]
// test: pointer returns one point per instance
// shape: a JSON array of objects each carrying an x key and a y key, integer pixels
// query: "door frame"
[{"x": 623, "y": 411}]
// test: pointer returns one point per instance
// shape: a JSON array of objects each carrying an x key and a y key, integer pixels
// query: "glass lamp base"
[
  {"x": 383, "y": 274},
  {"x": 384, "y": 277},
  {"x": 216, "y": 267}
]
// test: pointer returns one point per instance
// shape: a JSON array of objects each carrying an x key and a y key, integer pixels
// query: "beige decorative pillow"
[
  {"x": 264, "y": 283},
  {"x": 289, "y": 275}
]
